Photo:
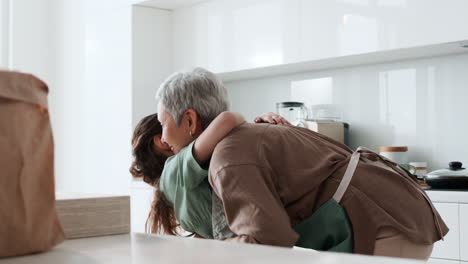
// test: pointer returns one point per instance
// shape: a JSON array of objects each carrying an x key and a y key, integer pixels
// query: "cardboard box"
[{"x": 332, "y": 129}]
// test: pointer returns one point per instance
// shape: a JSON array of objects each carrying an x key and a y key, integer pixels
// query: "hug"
[{"x": 219, "y": 177}]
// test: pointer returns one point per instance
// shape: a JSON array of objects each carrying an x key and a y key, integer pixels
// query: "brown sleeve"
[{"x": 253, "y": 210}]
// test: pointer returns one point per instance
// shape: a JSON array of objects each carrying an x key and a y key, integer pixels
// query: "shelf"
[
  {"x": 169, "y": 4},
  {"x": 450, "y": 48}
]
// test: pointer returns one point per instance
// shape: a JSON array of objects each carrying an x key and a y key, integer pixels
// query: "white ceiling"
[{"x": 170, "y": 4}]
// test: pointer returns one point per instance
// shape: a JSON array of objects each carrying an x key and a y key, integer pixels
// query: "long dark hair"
[{"x": 148, "y": 164}]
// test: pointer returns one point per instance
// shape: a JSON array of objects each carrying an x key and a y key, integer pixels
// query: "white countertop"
[
  {"x": 73, "y": 196},
  {"x": 448, "y": 196},
  {"x": 143, "y": 248},
  {"x": 443, "y": 195}
]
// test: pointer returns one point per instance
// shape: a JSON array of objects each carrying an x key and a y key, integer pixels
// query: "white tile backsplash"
[{"x": 418, "y": 103}]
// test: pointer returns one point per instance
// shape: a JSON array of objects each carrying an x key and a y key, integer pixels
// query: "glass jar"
[
  {"x": 397, "y": 154},
  {"x": 294, "y": 112},
  {"x": 419, "y": 169}
]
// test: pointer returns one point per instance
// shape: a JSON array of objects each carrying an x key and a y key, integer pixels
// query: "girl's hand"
[
  {"x": 195, "y": 235},
  {"x": 272, "y": 118}
]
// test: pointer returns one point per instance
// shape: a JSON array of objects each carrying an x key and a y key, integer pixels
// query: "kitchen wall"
[
  {"x": 82, "y": 50},
  {"x": 4, "y": 32},
  {"x": 25, "y": 36},
  {"x": 419, "y": 103},
  {"x": 393, "y": 103},
  {"x": 151, "y": 63},
  {"x": 94, "y": 108},
  {"x": 152, "y": 51}
]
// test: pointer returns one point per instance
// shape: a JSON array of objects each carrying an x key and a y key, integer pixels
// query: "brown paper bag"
[{"x": 28, "y": 219}]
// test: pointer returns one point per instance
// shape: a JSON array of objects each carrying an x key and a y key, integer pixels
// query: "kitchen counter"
[
  {"x": 448, "y": 196},
  {"x": 139, "y": 248}
]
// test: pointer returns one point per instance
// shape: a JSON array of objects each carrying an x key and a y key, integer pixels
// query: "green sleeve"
[
  {"x": 192, "y": 173},
  {"x": 169, "y": 179},
  {"x": 180, "y": 172}
]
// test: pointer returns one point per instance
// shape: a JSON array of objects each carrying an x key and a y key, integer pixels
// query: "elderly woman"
[{"x": 285, "y": 186}]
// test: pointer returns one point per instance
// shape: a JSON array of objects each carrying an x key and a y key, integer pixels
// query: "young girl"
[{"x": 182, "y": 191}]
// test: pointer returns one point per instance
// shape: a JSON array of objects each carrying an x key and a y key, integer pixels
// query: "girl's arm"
[
  {"x": 272, "y": 118},
  {"x": 195, "y": 235},
  {"x": 214, "y": 133}
]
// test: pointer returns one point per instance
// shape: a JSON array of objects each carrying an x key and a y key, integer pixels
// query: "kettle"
[{"x": 453, "y": 177}]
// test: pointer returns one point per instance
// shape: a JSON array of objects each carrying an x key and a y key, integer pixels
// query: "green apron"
[{"x": 328, "y": 228}]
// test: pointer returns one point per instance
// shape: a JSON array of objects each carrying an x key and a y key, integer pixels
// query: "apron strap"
[{"x": 353, "y": 162}]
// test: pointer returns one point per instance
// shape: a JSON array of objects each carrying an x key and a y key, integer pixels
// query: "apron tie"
[
  {"x": 329, "y": 228},
  {"x": 352, "y": 165}
]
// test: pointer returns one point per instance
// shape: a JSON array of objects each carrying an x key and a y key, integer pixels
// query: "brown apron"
[{"x": 329, "y": 228}]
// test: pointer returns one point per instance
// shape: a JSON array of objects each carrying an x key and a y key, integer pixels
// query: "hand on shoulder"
[{"x": 272, "y": 118}]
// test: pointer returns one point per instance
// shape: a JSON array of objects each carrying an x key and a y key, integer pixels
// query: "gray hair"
[{"x": 199, "y": 90}]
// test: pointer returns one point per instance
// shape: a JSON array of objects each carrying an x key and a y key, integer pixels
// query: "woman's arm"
[{"x": 214, "y": 133}]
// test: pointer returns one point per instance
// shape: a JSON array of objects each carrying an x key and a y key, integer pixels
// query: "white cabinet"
[
  {"x": 225, "y": 36},
  {"x": 453, "y": 207},
  {"x": 442, "y": 261},
  {"x": 340, "y": 28},
  {"x": 4, "y": 24},
  {"x": 449, "y": 248},
  {"x": 233, "y": 35},
  {"x": 464, "y": 232},
  {"x": 152, "y": 57},
  {"x": 141, "y": 199},
  {"x": 27, "y": 37}
]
